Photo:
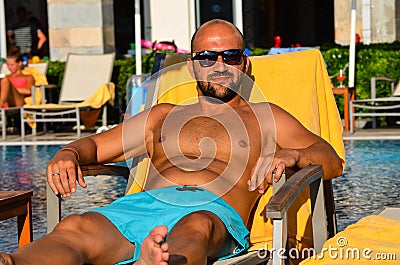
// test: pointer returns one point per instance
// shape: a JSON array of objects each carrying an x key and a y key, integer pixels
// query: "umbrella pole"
[
  {"x": 138, "y": 38},
  {"x": 352, "y": 51},
  {"x": 3, "y": 41}
]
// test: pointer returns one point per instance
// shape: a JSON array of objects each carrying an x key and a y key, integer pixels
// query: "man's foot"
[
  {"x": 6, "y": 259},
  {"x": 153, "y": 251}
]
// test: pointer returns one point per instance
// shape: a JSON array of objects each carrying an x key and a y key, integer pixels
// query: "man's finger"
[
  {"x": 57, "y": 183},
  {"x": 254, "y": 176},
  {"x": 279, "y": 169},
  {"x": 81, "y": 179},
  {"x": 51, "y": 182}
]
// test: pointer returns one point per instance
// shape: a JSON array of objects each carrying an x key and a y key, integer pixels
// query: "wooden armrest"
[
  {"x": 291, "y": 189},
  {"x": 112, "y": 170}
]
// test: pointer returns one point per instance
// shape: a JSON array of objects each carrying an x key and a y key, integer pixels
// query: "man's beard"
[{"x": 210, "y": 92}]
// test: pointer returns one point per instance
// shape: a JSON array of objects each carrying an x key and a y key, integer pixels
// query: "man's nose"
[{"x": 220, "y": 64}]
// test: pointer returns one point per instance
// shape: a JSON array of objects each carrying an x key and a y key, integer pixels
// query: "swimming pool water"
[
  {"x": 24, "y": 168},
  {"x": 371, "y": 180}
]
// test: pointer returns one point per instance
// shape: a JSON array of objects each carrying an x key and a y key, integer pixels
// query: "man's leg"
[
  {"x": 198, "y": 237},
  {"x": 88, "y": 238}
]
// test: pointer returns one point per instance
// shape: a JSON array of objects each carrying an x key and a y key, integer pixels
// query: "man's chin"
[{"x": 221, "y": 99}]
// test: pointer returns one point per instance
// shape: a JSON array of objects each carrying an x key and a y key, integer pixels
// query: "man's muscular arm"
[
  {"x": 296, "y": 147},
  {"x": 115, "y": 145}
]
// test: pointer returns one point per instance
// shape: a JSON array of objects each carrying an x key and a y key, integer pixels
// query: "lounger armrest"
[
  {"x": 380, "y": 78},
  {"x": 291, "y": 189},
  {"x": 54, "y": 202},
  {"x": 111, "y": 170}
]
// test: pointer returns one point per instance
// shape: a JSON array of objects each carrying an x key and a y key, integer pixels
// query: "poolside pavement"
[
  {"x": 49, "y": 138},
  {"x": 373, "y": 134}
]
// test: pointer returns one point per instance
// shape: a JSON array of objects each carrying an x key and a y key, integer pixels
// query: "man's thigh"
[{"x": 100, "y": 241}]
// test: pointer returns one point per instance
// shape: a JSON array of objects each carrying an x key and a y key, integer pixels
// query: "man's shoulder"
[
  {"x": 161, "y": 109},
  {"x": 262, "y": 105}
]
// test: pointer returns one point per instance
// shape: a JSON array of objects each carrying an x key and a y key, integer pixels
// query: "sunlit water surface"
[
  {"x": 24, "y": 168},
  {"x": 370, "y": 181}
]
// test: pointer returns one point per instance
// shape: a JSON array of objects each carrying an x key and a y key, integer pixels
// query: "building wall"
[
  {"x": 87, "y": 26},
  {"x": 80, "y": 26},
  {"x": 171, "y": 20},
  {"x": 383, "y": 21},
  {"x": 378, "y": 21}
]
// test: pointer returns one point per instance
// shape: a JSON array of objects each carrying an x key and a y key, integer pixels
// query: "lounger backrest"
[
  {"x": 83, "y": 74},
  {"x": 41, "y": 67},
  {"x": 396, "y": 91},
  {"x": 4, "y": 69}
]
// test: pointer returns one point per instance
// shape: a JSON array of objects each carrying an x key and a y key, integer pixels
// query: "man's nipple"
[{"x": 242, "y": 143}]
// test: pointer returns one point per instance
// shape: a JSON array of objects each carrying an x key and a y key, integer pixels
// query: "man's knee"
[
  {"x": 202, "y": 222},
  {"x": 76, "y": 224},
  {"x": 204, "y": 218}
]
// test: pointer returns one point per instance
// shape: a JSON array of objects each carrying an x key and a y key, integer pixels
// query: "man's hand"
[
  {"x": 62, "y": 173},
  {"x": 269, "y": 166}
]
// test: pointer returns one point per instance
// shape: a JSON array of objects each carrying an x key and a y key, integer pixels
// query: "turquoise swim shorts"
[{"x": 136, "y": 214}]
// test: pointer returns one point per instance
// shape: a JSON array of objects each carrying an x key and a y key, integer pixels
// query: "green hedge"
[{"x": 371, "y": 60}]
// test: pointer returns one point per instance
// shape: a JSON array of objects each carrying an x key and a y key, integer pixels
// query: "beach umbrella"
[
  {"x": 3, "y": 43},
  {"x": 352, "y": 51},
  {"x": 138, "y": 38}
]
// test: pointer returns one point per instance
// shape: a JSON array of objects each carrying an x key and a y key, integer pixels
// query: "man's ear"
[
  {"x": 247, "y": 63},
  {"x": 189, "y": 63}
]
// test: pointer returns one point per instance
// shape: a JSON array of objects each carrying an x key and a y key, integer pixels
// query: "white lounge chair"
[
  {"x": 376, "y": 106},
  {"x": 84, "y": 74}
]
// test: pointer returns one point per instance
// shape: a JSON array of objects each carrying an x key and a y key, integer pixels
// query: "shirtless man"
[{"x": 221, "y": 144}]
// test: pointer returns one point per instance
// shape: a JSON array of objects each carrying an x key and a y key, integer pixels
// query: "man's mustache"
[{"x": 222, "y": 74}]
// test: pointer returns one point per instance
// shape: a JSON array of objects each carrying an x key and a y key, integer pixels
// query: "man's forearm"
[
  {"x": 324, "y": 154},
  {"x": 86, "y": 149}
]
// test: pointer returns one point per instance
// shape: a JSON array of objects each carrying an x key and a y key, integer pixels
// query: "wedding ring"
[{"x": 55, "y": 174}]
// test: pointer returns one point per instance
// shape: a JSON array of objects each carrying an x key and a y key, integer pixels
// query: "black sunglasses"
[{"x": 208, "y": 58}]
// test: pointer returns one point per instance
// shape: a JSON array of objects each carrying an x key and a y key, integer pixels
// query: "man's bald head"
[{"x": 216, "y": 27}]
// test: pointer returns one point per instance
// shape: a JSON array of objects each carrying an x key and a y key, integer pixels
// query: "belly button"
[
  {"x": 242, "y": 143},
  {"x": 162, "y": 138}
]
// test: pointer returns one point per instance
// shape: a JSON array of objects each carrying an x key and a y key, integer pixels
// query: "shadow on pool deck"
[{"x": 48, "y": 138}]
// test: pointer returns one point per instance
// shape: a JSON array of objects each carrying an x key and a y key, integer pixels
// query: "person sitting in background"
[
  {"x": 27, "y": 34},
  {"x": 15, "y": 86}
]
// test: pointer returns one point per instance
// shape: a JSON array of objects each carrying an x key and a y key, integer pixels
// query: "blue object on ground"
[{"x": 273, "y": 51}]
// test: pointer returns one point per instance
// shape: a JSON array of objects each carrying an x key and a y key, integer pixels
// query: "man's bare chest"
[{"x": 206, "y": 137}]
